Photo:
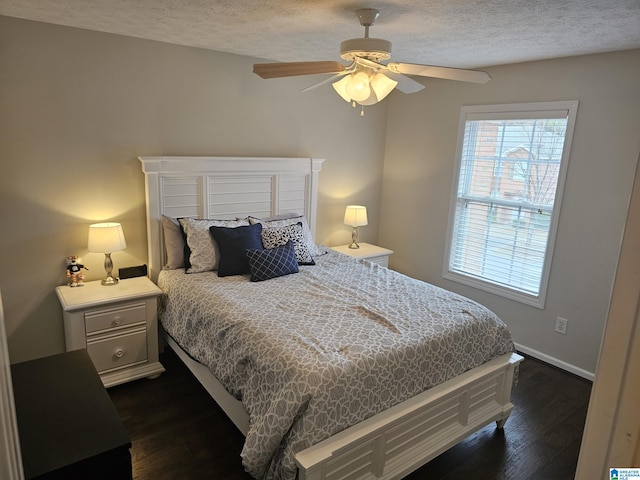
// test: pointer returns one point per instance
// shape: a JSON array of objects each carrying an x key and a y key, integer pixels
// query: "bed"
[{"x": 338, "y": 400}]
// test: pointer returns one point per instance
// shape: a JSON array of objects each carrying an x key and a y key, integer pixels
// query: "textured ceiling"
[{"x": 456, "y": 33}]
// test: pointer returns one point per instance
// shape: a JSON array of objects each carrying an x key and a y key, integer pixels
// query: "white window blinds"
[{"x": 511, "y": 166}]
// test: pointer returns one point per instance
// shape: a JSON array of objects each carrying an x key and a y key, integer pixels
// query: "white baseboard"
[{"x": 555, "y": 362}]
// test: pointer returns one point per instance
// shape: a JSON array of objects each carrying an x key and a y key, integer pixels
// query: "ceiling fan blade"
[
  {"x": 405, "y": 84},
  {"x": 292, "y": 69},
  {"x": 331, "y": 79},
  {"x": 462, "y": 75}
]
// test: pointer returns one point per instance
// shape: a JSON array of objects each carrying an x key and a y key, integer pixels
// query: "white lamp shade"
[
  {"x": 373, "y": 99},
  {"x": 341, "y": 87},
  {"x": 382, "y": 85},
  {"x": 355, "y": 215},
  {"x": 106, "y": 238}
]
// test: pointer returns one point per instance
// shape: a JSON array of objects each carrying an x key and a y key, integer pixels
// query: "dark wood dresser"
[{"x": 68, "y": 426}]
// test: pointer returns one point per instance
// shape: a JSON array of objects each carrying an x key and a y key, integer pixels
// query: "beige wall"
[
  {"x": 418, "y": 178},
  {"x": 77, "y": 108}
]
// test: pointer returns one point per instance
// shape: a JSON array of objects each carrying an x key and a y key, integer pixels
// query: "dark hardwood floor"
[{"x": 178, "y": 432}]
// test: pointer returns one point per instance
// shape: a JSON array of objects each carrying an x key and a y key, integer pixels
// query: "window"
[{"x": 510, "y": 169}]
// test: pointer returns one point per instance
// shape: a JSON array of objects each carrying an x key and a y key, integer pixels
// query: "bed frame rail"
[{"x": 232, "y": 407}]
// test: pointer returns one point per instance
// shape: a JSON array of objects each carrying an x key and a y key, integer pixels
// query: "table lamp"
[
  {"x": 106, "y": 238},
  {"x": 356, "y": 216}
]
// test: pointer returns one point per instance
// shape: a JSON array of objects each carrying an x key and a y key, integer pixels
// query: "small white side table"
[
  {"x": 117, "y": 324},
  {"x": 370, "y": 252}
]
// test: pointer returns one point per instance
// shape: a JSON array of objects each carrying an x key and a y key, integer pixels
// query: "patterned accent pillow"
[
  {"x": 272, "y": 262},
  {"x": 233, "y": 244},
  {"x": 313, "y": 249},
  {"x": 277, "y": 236},
  {"x": 205, "y": 254}
]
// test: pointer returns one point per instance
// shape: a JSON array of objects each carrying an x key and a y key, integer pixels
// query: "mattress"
[{"x": 312, "y": 353}]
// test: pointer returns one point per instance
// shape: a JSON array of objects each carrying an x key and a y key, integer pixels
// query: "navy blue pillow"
[
  {"x": 272, "y": 262},
  {"x": 233, "y": 243}
]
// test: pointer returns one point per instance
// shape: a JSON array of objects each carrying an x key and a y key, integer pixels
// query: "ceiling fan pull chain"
[{"x": 362, "y": 111}]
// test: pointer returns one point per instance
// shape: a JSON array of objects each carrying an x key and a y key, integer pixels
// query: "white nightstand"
[
  {"x": 118, "y": 325},
  {"x": 370, "y": 252}
]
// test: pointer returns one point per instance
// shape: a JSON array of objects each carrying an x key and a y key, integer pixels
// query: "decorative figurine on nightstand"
[{"x": 74, "y": 271}]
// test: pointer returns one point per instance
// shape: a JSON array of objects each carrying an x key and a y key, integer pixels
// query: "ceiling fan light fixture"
[
  {"x": 358, "y": 87},
  {"x": 354, "y": 86}
]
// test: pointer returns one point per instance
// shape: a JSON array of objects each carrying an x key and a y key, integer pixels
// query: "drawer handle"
[
  {"x": 119, "y": 353},
  {"x": 117, "y": 320}
]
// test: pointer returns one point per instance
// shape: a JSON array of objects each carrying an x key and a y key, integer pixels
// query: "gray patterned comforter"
[{"x": 312, "y": 353}]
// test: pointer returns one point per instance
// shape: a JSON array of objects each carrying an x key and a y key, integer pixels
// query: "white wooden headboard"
[{"x": 225, "y": 187}]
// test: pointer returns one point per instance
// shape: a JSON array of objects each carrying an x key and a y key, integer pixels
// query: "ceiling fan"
[{"x": 366, "y": 80}]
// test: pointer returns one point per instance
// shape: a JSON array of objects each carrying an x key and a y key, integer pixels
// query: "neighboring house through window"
[{"x": 510, "y": 169}]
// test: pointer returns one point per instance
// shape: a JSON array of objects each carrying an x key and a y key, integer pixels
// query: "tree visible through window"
[{"x": 511, "y": 165}]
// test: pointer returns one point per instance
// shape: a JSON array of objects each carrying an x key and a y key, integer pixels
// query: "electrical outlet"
[{"x": 561, "y": 325}]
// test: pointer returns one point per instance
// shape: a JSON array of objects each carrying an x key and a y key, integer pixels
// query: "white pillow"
[{"x": 205, "y": 254}]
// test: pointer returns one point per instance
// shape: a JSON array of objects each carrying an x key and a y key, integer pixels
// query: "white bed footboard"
[
  {"x": 401, "y": 439},
  {"x": 405, "y": 437}
]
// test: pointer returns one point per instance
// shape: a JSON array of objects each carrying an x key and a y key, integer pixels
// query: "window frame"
[{"x": 510, "y": 112}]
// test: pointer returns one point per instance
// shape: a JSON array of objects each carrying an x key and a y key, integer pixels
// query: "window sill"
[{"x": 516, "y": 296}]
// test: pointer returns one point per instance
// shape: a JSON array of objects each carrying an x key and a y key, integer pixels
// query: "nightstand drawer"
[
  {"x": 118, "y": 351},
  {"x": 97, "y": 321}
]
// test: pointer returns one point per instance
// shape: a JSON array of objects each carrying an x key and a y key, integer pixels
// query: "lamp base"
[
  {"x": 354, "y": 238},
  {"x": 108, "y": 266},
  {"x": 110, "y": 281}
]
